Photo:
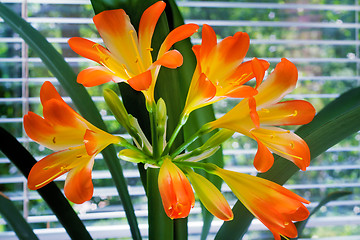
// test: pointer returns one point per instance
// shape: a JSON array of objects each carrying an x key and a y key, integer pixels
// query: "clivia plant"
[{"x": 134, "y": 57}]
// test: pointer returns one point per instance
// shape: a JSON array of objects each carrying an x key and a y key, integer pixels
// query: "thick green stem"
[
  {"x": 160, "y": 225},
  {"x": 180, "y": 229}
]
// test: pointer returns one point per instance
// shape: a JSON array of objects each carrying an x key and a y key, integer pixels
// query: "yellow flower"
[
  {"x": 220, "y": 72},
  {"x": 256, "y": 117},
  {"x": 128, "y": 55},
  {"x": 76, "y": 141}
]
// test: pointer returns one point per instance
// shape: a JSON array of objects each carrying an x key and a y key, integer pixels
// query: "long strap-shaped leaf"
[
  {"x": 336, "y": 121},
  {"x": 51, "y": 194},
  {"x": 330, "y": 197},
  {"x": 13, "y": 217},
  {"x": 66, "y": 76}
]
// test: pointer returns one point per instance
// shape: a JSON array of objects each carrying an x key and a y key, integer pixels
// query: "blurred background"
[{"x": 320, "y": 36}]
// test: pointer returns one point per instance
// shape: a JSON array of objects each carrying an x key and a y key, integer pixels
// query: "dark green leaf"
[{"x": 13, "y": 217}]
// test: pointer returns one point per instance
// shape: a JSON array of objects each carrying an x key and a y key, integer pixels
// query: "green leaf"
[
  {"x": 80, "y": 97},
  {"x": 338, "y": 120},
  {"x": 330, "y": 197},
  {"x": 13, "y": 217},
  {"x": 51, "y": 194}
]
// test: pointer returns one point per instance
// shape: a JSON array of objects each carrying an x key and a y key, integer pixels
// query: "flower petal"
[
  {"x": 263, "y": 160},
  {"x": 146, "y": 29},
  {"x": 253, "y": 113},
  {"x": 59, "y": 114},
  {"x": 176, "y": 35},
  {"x": 141, "y": 82},
  {"x": 242, "y": 92},
  {"x": 200, "y": 93},
  {"x": 94, "y": 76},
  {"x": 211, "y": 197},
  {"x": 38, "y": 129},
  {"x": 285, "y": 143},
  {"x": 87, "y": 48},
  {"x": 48, "y": 92},
  {"x": 295, "y": 112},
  {"x": 119, "y": 36},
  {"x": 55, "y": 165},
  {"x": 170, "y": 59},
  {"x": 78, "y": 184},
  {"x": 280, "y": 82},
  {"x": 226, "y": 57},
  {"x": 209, "y": 41},
  {"x": 96, "y": 141},
  {"x": 245, "y": 71}
]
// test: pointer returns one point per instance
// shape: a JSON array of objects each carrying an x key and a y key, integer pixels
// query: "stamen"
[
  {"x": 150, "y": 49},
  {"x": 53, "y": 140},
  {"x": 263, "y": 118},
  {"x": 125, "y": 70},
  {"x": 62, "y": 171},
  {"x": 141, "y": 66}
]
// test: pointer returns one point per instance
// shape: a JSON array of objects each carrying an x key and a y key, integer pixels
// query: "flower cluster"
[{"x": 220, "y": 73}]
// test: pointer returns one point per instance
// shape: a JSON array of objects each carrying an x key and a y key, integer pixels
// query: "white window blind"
[{"x": 320, "y": 37}]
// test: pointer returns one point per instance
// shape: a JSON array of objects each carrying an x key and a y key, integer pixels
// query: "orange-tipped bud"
[
  {"x": 175, "y": 190},
  {"x": 210, "y": 196}
]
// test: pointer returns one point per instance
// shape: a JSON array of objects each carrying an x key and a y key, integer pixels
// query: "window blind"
[{"x": 320, "y": 37}]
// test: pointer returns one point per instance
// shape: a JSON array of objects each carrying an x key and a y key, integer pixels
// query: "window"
[{"x": 320, "y": 36}]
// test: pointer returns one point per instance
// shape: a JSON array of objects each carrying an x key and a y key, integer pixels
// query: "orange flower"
[
  {"x": 220, "y": 72},
  {"x": 76, "y": 140},
  {"x": 256, "y": 116},
  {"x": 175, "y": 190},
  {"x": 275, "y": 206},
  {"x": 128, "y": 55}
]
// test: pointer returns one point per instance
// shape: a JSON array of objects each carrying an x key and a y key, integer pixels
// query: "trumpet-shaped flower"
[
  {"x": 220, "y": 72},
  {"x": 76, "y": 141},
  {"x": 127, "y": 56},
  {"x": 256, "y": 117},
  {"x": 175, "y": 190},
  {"x": 275, "y": 206},
  {"x": 210, "y": 196}
]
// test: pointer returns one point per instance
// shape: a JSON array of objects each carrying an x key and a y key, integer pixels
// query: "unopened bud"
[{"x": 131, "y": 155}]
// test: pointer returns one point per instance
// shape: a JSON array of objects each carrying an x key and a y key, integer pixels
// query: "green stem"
[
  {"x": 154, "y": 135},
  {"x": 180, "y": 124},
  {"x": 160, "y": 225},
  {"x": 186, "y": 143},
  {"x": 180, "y": 229}
]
